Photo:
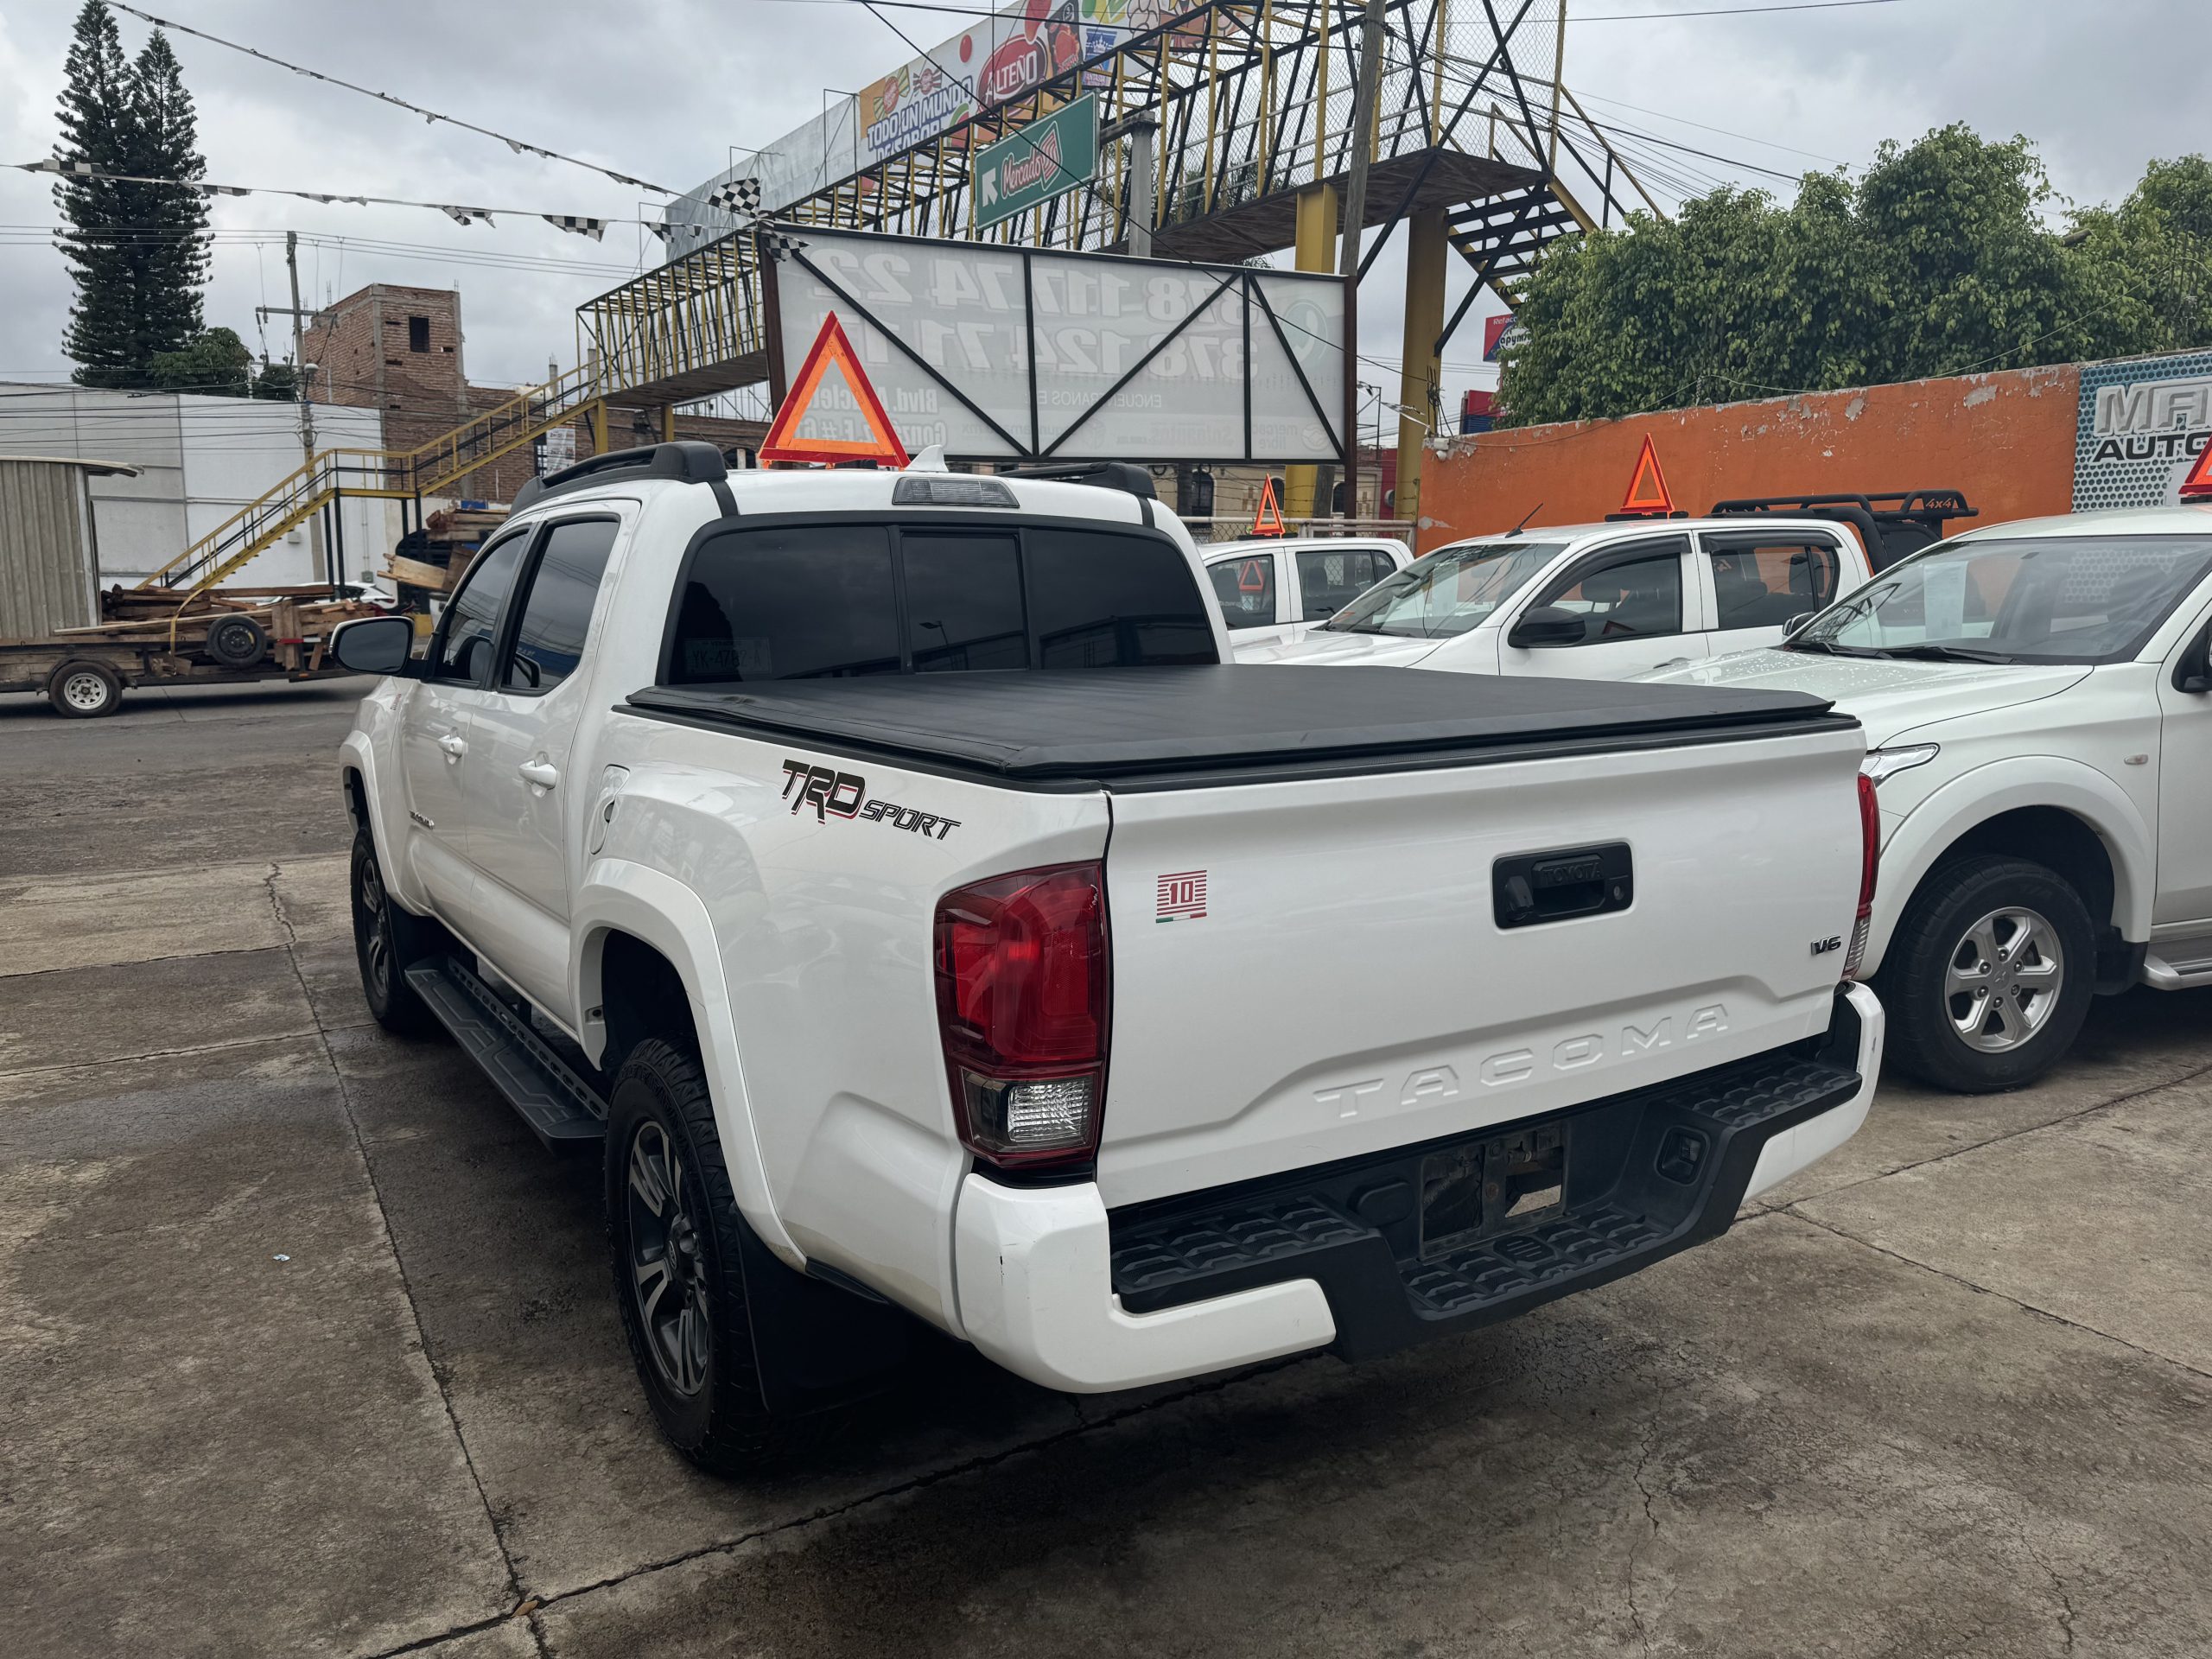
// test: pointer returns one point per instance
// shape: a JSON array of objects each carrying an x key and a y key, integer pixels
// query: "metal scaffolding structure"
[{"x": 1244, "y": 109}]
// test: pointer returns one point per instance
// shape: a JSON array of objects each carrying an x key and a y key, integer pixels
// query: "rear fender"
[
  {"x": 1919, "y": 840},
  {"x": 619, "y": 895}
]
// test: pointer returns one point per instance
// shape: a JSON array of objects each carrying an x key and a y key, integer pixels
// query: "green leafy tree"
[
  {"x": 136, "y": 252},
  {"x": 214, "y": 362},
  {"x": 278, "y": 382},
  {"x": 1941, "y": 259}
]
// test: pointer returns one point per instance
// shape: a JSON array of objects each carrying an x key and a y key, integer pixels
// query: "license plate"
[{"x": 1504, "y": 1185}]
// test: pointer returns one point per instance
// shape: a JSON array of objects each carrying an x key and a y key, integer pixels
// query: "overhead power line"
[{"x": 519, "y": 146}]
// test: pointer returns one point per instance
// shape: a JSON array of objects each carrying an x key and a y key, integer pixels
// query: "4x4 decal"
[{"x": 844, "y": 795}]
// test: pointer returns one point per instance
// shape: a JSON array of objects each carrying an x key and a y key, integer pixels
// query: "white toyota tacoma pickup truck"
[
  {"x": 2039, "y": 703},
  {"x": 890, "y": 871}
]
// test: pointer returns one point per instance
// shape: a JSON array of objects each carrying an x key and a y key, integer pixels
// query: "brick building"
[{"x": 400, "y": 350}]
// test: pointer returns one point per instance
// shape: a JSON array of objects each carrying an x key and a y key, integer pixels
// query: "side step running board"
[
  {"x": 558, "y": 1104},
  {"x": 2178, "y": 964}
]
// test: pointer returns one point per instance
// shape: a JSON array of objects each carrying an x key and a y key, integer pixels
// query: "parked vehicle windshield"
[
  {"x": 1453, "y": 590},
  {"x": 2086, "y": 599}
]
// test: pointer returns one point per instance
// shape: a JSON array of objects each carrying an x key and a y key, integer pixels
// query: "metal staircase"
[{"x": 431, "y": 468}]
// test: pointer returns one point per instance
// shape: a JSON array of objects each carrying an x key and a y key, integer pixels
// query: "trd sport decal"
[
  {"x": 844, "y": 794},
  {"x": 1182, "y": 897}
]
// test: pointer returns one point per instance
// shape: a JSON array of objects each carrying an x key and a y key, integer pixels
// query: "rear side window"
[
  {"x": 805, "y": 602},
  {"x": 549, "y": 640},
  {"x": 1246, "y": 589},
  {"x": 1097, "y": 599},
  {"x": 828, "y": 599},
  {"x": 467, "y": 633},
  {"x": 1329, "y": 581},
  {"x": 1763, "y": 580}
]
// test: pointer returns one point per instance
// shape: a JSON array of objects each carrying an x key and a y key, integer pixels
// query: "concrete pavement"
[{"x": 307, "y": 1347}]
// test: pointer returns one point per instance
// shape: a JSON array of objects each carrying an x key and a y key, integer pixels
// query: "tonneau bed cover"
[{"x": 1132, "y": 727}]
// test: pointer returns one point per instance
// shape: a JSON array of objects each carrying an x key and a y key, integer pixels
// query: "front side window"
[
  {"x": 796, "y": 602},
  {"x": 1452, "y": 591},
  {"x": 557, "y": 613},
  {"x": 1098, "y": 599},
  {"x": 1328, "y": 580},
  {"x": 467, "y": 634},
  {"x": 1764, "y": 581},
  {"x": 2072, "y": 598},
  {"x": 1246, "y": 587},
  {"x": 1625, "y": 593}
]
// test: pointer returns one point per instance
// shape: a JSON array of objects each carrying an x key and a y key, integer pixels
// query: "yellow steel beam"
[
  {"x": 1314, "y": 249},
  {"x": 1421, "y": 374}
]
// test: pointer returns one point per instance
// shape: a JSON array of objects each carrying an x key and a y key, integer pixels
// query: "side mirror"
[
  {"x": 374, "y": 644},
  {"x": 1789, "y": 629},
  {"x": 1548, "y": 624}
]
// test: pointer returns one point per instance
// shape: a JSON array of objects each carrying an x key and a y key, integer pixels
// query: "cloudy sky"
[{"x": 665, "y": 91}]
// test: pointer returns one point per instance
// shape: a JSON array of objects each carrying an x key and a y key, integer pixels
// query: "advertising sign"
[
  {"x": 1038, "y": 161},
  {"x": 2141, "y": 425},
  {"x": 1002, "y": 58},
  {"x": 1012, "y": 353}
]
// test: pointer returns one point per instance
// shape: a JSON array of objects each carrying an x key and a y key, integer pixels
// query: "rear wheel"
[
  {"x": 676, "y": 1238},
  {"x": 1990, "y": 975},
  {"x": 386, "y": 939},
  {"x": 85, "y": 690}
]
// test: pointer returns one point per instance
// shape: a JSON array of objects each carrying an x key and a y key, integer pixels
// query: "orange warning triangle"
[
  {"x": 1268, "y": 520},
  {"x": 1647, "y": 490},
  {"x": 2197, "y": 486},
  {"x": 831, "y": 349}
]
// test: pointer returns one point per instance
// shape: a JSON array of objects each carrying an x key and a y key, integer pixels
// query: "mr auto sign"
[
  {"x": 1033, "y": 163},
  {"x": 2142, "y": 424}
]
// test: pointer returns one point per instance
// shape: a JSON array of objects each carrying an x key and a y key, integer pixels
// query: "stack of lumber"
[{"x": 435, "y": 557}]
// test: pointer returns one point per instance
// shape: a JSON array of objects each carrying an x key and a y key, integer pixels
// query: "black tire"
[
  {"x": 237, "y": 641},
  {"x": 683, "y": 1238},
  {"x": 385, "y": 940},
  {"x": 1968, "y": 979},
  {"x": 84, "y": 690}
]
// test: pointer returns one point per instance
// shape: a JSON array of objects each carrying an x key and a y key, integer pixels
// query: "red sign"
[
  {"x": 1268, "y": 520},
  {"x": 2197, "y": 486},
  {"x": 831, "y": 350},
  {"x": 1646, "y": 488}
]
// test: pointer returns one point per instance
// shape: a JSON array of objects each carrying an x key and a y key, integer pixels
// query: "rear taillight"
[
  {"x": 1870, "y": 860},
  {"x": 1022, "y": 992}
]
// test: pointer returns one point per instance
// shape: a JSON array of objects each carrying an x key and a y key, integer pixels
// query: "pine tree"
[
  {"x": 172, "y": 258},
  {"x": 98, "y": 124}
]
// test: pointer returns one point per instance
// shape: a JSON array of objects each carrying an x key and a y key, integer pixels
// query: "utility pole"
[
  {"x": 1138, "y": 129},
  {"x": 1363, "y": 147},
  {"x": 299, "y": 389}
]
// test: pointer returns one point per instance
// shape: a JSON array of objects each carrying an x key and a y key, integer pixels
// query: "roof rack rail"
[
  {"x": 1124, "y": 476},
  {"x": 1892, "y": 523},
  {"x": 687, "y": 459}
]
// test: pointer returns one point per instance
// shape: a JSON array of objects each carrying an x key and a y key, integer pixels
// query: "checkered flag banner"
[
  {"x": 464, "y": 215},
  {"x": 575, "y": 224},
  {"x": 780, "y": 247},
  {"x": 735, "y": 196}
]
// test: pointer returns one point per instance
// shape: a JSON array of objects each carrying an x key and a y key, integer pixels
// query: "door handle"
[
  {"x": 455, "y": 746},
  {"x": 539, "y": 774}
]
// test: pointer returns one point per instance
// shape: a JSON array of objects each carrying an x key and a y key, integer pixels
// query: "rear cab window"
[
  {"x": 1246, "y": 587},
  {"x": 1331, "y": 578},
  {"x": 828, "y": 600}
]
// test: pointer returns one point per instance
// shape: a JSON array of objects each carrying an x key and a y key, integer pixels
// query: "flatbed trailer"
[{"x": 230, "y": 639}]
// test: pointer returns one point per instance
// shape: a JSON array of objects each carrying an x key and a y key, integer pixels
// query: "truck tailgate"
[{"x": 1315, "y": 970}]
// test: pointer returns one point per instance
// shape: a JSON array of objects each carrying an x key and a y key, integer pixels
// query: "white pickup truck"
[
  {"x": 1126, "y": 1015},
  {"x": 2039, "y": 705}
]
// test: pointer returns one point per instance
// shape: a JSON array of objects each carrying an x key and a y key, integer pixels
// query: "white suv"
[
  {"x": 1602, "y": 601},
  {"x": 2039, "y": 705}
]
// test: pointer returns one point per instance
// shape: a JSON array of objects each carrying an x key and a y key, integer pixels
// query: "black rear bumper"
[{"x": 1647, "y": 1173}]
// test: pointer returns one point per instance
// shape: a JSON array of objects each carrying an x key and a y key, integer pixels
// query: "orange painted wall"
[{"x": 2005, "y": 439}]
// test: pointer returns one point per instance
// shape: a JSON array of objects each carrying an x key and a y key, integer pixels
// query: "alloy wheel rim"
[
  {"x": 84, "y": 690},
  {"x": 667, "y": 1269},
  {"x": 377, "y": 942},
  {"x": 2003, "y": 979}
]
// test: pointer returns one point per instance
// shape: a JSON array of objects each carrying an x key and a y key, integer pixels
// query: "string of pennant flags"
[{"x": 738, "y": 196}]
